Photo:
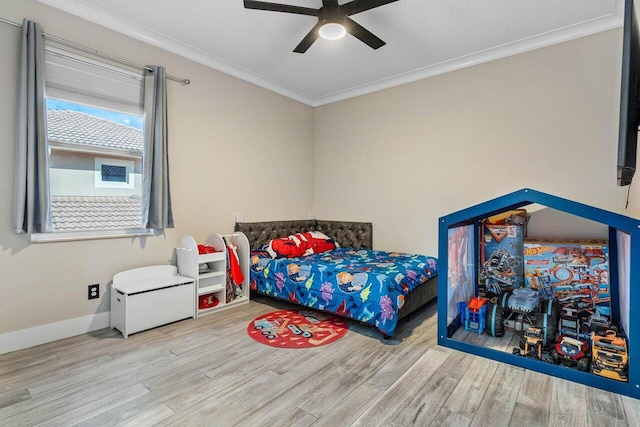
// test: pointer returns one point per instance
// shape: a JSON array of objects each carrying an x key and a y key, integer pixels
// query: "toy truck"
[
  {"x": 610, "y": 359},
  {"x": 571, "y": 352},
  {"x": 531, "y": 343}
]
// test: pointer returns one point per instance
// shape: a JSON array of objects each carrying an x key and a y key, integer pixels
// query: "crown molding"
[
  {"x": 521, "y": 46},
  {"x": 97, "y": 16},
  {"x": 78, "y": 8}
]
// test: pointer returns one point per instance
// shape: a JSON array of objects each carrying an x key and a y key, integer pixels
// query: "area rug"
[{"x": 297, "y": 329}]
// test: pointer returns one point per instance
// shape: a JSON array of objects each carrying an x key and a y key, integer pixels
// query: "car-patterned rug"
[{"x": 297, "y": 328}]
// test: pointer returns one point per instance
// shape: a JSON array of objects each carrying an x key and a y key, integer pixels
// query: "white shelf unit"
[{"x": 212, "y": 280}]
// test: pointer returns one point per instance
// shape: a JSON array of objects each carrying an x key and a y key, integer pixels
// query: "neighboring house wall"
[{"x": 74, "y": 174}]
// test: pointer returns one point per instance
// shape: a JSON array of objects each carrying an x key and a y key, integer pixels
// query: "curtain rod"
[{"x": 78, "y": 46}]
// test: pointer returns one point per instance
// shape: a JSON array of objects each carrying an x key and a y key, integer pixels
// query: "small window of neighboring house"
[
  {"x": 95, "y": 121},
  {"x": 113, "y": 173}
]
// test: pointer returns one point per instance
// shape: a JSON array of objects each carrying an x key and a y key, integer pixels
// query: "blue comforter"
[{"x": 365, "y": 285}]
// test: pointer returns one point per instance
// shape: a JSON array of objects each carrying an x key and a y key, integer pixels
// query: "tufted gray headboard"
[{"x": 348, "y": 234}]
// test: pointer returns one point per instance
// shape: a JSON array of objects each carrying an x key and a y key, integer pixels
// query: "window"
[
  {"x": 95, "y": 121},
  {"x": 114, "y": 173},
  {"x": 111, "y": 173}
]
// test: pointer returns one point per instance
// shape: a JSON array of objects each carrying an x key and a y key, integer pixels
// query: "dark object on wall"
[
  {"x": 331, "y": 14},
  {"x": 629, "y": 96}
]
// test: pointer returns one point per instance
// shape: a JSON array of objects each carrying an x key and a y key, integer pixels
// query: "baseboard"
[{"x": 42, "y": 334}]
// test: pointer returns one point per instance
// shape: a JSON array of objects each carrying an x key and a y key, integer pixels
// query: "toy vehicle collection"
[
  {"x": 551, "y": 332},
  {"x": 553, "y": 296}
]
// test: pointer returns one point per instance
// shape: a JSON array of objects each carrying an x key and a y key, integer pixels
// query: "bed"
[{"x": 354, "y": 281}]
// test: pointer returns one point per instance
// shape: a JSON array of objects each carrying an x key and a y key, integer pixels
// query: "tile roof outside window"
[
  {"x": 80, "y": 213},
  {"x": 74, "y": 127}
]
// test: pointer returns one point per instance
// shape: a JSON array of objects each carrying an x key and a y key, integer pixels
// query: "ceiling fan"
[{"x": 333, "y": 20}]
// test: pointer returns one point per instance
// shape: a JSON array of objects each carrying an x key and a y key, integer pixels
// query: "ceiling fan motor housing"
[{"x": 330, "y": 15}]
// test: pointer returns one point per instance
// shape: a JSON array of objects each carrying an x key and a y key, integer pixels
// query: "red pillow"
[
  {"x": 300, "y": 244},
  {"x": 284, "y": 247},
  {"x": 318, "y": 242}
]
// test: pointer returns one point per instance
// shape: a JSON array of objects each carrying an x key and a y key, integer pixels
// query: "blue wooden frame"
[{"x": 616, "y": 222}]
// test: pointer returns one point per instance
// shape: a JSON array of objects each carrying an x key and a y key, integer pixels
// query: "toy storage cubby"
[
  {"x": 210, "y": 269},
  {"x": 459, "y": 245}
]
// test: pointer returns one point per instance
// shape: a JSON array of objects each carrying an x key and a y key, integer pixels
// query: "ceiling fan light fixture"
[{"x": 332, "y": 31}]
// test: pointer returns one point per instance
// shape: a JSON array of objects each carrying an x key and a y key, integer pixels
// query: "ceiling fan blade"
[
  {"x": 329, "y": 3},
  {"x": 364, "y": 35},
  {"x": 277, "y": 7},
  {"x": 308, "y": 40},
  {"x": 357, "y": 6}
]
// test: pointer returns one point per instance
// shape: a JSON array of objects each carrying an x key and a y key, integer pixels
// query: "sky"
[{"x": 121, "y": 118}]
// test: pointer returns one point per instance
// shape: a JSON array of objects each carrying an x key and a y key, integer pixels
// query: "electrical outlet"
[{"x": 94, "y": 291}]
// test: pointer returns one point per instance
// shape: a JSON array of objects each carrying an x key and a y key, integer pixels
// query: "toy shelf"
[
  {"x": 458, "y": 246},
  {"x": 211, "y": 279}
]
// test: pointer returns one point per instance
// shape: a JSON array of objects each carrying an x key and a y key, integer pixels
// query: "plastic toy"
[
  {"x": 600, "y": 325},
  {"x": 207, "y": 301},
  {"x": 531, "y": 343},
  {"x": 572, "y": 325},
  {"x": 539, "y": 337},
  {"x": 523, "y": 300},
  {"x": 571, "y": 352},
  {"x": 610, "y": 358},
  {"x": 521, "y": 304},
  {"x": 475, "y": 315}
]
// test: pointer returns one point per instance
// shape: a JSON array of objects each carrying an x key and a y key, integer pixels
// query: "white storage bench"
[{"x": 146, "y": 297}]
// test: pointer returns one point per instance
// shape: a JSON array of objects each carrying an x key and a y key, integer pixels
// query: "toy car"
[
  {"x": 610, "y": 358},
  {"x": 599, "y": 324},
  {"x": 521, "y": 304},
  {"x": 531, "y": 343},
  {"x": 571, "y": 324},
  {"x": 571, "y": 352}
]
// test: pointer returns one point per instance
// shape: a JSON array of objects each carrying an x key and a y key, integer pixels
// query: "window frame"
[{"x": 72, "y": 235}]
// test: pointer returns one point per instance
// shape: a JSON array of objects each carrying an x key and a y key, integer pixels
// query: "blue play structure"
[{"x": 624, "y": 279}]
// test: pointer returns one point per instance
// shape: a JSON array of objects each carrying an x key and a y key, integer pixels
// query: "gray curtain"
[
  {"x": 156, "y": 197},
  {"x": 31, "y": 193}
]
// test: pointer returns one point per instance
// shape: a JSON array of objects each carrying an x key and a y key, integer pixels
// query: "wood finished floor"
[{"x": 209, "y": 372}]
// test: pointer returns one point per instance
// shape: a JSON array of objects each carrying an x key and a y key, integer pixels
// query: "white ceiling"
[{"x": 424, "y": 38}]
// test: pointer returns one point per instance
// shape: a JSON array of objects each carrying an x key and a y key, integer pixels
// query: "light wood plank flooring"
[{"x": 209, "y": 372}]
